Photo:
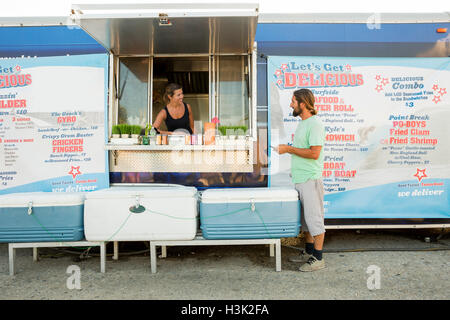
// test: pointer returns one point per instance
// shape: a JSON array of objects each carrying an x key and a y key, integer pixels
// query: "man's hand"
[
  {"x": 312, "y": 153},
  {"x": 282, "y": 149}
]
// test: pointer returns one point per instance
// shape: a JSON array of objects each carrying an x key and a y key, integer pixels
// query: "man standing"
[{"x": 306, "y": 169}]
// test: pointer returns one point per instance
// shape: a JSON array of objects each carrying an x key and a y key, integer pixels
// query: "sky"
[{"x": 17, "y": 8}]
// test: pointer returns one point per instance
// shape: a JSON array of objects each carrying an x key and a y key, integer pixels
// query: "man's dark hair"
[{"x": 307, "y": 97}]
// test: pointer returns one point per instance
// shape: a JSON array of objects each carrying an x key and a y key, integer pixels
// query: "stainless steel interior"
[
  {"x": 134, "y": 35},
  {"x": 189, "y": 72}
]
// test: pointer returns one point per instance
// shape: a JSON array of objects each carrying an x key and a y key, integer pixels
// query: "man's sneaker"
[
  {"x": 312, "y": 265},
  {"x": 302, "y": 257}
]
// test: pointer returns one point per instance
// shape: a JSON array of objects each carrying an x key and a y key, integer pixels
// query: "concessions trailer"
[{"x": 380, "y": 82}]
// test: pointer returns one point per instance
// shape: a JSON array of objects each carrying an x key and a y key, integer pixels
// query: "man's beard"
[{"x": 296, "y": 112}]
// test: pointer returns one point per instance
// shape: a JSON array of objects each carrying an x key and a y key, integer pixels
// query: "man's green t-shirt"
[{"x": 310, "y": 132}]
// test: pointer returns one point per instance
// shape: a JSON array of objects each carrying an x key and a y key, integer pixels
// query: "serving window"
[
  {"x": 214, "y": 86},
  {"x": 232, "y": 83},
  {"x": 132, "y": 96},
  {"x": 208, "y": 49}
]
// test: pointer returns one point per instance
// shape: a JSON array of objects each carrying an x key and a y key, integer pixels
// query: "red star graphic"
[
  {"x": 435, "y": 87},
  {"x": 74, "y": 174},
  {"x": 278, "y": 73},
  {"x": 442, "y": 91},
  {"x": 436, "y": 99},
  {"x": 17, "y": 68},
  {"x": 279, "y": 82},
  {"x": 284, "y": 66},
  {"x": 420, "y": 174},
  {"x": 385, "y": 81},
  {"x": 348, "y": 67},
  {"x": 379, "y": 87},
  {"x": 378, "y": 77}
]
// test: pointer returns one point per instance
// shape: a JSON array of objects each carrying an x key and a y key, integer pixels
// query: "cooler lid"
[
  {"x": 249, "y": 194},
  {"x": 143, "y": 192},
  {"x": 41, "y": 199},
  {"x": 170, "y": 28}
]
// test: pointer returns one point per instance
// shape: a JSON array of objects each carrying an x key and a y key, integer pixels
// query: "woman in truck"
[{"x": 176, "y": 114}]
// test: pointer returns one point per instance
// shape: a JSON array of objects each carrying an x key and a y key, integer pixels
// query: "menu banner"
[
  {"x": 387, "y": 146},
  {"x": 53, "y": 112}
]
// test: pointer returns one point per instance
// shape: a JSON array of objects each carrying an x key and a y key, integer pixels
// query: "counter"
[{"x": 181, "y": 158}]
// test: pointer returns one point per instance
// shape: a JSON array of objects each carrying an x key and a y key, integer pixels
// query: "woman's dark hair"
[
  {"x": 170, "y": 89},
  {"x": 307, "y": 97}
]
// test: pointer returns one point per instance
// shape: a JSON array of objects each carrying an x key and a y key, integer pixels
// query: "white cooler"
[{"x": 138, "y": 213}]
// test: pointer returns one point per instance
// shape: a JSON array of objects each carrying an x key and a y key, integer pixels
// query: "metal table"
[
  {"x": 35, "y": 245},
  {"x": 200, "y": 241}
]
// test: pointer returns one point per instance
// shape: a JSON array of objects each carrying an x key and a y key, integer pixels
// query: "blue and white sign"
[
  {"x": 387, "y": 147},
  {"x": 52, "y": 124}
]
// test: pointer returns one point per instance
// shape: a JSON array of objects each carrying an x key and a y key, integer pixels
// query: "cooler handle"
[
  {"x": 137, "y": 208},
  {"x": 253, "y": 207}
]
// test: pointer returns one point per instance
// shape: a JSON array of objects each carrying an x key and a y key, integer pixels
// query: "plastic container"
[
  {"x": 141, "y": 214},
  {"x": 41, "y": 217},
  {"x": 250, "y": 213},
  {"x": 210, "y": 133}
]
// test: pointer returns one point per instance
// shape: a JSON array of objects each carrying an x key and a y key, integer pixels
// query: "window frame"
[{"x": 214, "y": 79}]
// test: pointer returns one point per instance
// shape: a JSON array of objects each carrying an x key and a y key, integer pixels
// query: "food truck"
[{"x": 381, "y": 85}]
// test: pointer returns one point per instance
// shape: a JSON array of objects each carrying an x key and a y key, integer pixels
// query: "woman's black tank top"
[{"x": 181, "y": 123}]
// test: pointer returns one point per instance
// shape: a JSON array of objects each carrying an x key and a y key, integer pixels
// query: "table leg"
[
  {"x": 278, "y": 256},
  {"x": 35, "y": 254},
  {"x": 116, "y": 250},
  {"x": 102, "y": 257},
  {"x": 153, "y": 257},
  {"x": 12, "y": 256}
]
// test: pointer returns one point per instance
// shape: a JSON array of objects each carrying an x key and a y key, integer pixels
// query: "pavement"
[{"x": 360, "y": 264}]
